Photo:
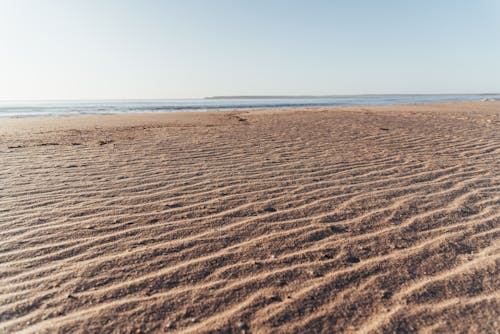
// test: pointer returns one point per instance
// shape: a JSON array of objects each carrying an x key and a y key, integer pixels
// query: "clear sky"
[{"x": 100, "y": 49}]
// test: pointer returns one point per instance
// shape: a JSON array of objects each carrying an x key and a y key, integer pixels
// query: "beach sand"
[{"x": 360, "y": 219}]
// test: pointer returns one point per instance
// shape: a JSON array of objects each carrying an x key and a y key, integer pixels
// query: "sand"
[{"x": 373, "y": 219}]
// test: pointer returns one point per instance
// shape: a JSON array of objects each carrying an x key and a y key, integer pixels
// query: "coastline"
[
  {"x": 29, "y": 109},
  {"x": 172, "y": 116}
]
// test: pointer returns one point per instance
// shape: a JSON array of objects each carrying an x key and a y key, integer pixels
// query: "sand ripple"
[{"x": 366, "y": 220}]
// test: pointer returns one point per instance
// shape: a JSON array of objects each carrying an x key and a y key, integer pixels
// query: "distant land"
[{"x": 249, "y": 97}]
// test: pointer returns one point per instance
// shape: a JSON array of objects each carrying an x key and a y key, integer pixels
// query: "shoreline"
[
  {"x": 97, "y": 105},
  {"x": 194, "y": 113}
]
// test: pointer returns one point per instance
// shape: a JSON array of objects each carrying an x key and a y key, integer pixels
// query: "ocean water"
[{"x": 72, "y": 108}]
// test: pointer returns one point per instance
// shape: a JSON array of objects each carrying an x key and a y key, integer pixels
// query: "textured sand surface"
[{"x": 377, "y": 219}]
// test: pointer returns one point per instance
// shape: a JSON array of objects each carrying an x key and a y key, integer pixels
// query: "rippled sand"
[{"x": 376, "y": 219}]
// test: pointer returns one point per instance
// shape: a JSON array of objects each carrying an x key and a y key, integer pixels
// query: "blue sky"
[{"x": 100, "y": 49}]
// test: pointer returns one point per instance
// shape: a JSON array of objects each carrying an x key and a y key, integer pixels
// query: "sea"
[{"x": 88, "y": 107}]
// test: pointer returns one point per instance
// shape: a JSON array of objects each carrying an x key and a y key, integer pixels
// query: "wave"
[{"x": 73, "y": 108}]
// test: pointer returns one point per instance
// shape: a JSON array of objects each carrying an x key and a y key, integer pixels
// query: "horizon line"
[{"x": 214, "y": 97}]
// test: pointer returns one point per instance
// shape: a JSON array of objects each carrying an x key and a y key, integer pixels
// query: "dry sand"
[{"x": 377, "y": 219}]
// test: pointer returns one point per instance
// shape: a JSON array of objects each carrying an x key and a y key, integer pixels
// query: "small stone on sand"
[
  {"x": 353, "y": 259},
  {"x": 270, "y": 209}
]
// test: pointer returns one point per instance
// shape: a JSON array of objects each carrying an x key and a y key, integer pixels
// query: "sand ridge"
[{"x": 361, "y": 219}]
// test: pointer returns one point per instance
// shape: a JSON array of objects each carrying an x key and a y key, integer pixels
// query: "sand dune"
[{"x": 376, "y": 219}]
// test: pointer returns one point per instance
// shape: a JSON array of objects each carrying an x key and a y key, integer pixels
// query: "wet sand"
[{"x": 361, "y": 219}]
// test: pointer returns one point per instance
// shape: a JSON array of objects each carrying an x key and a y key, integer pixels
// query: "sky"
[{"x": 151, "y": 49}]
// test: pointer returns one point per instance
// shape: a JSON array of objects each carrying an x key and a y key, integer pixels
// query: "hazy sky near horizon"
[{"x": 105, "y": 49}]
